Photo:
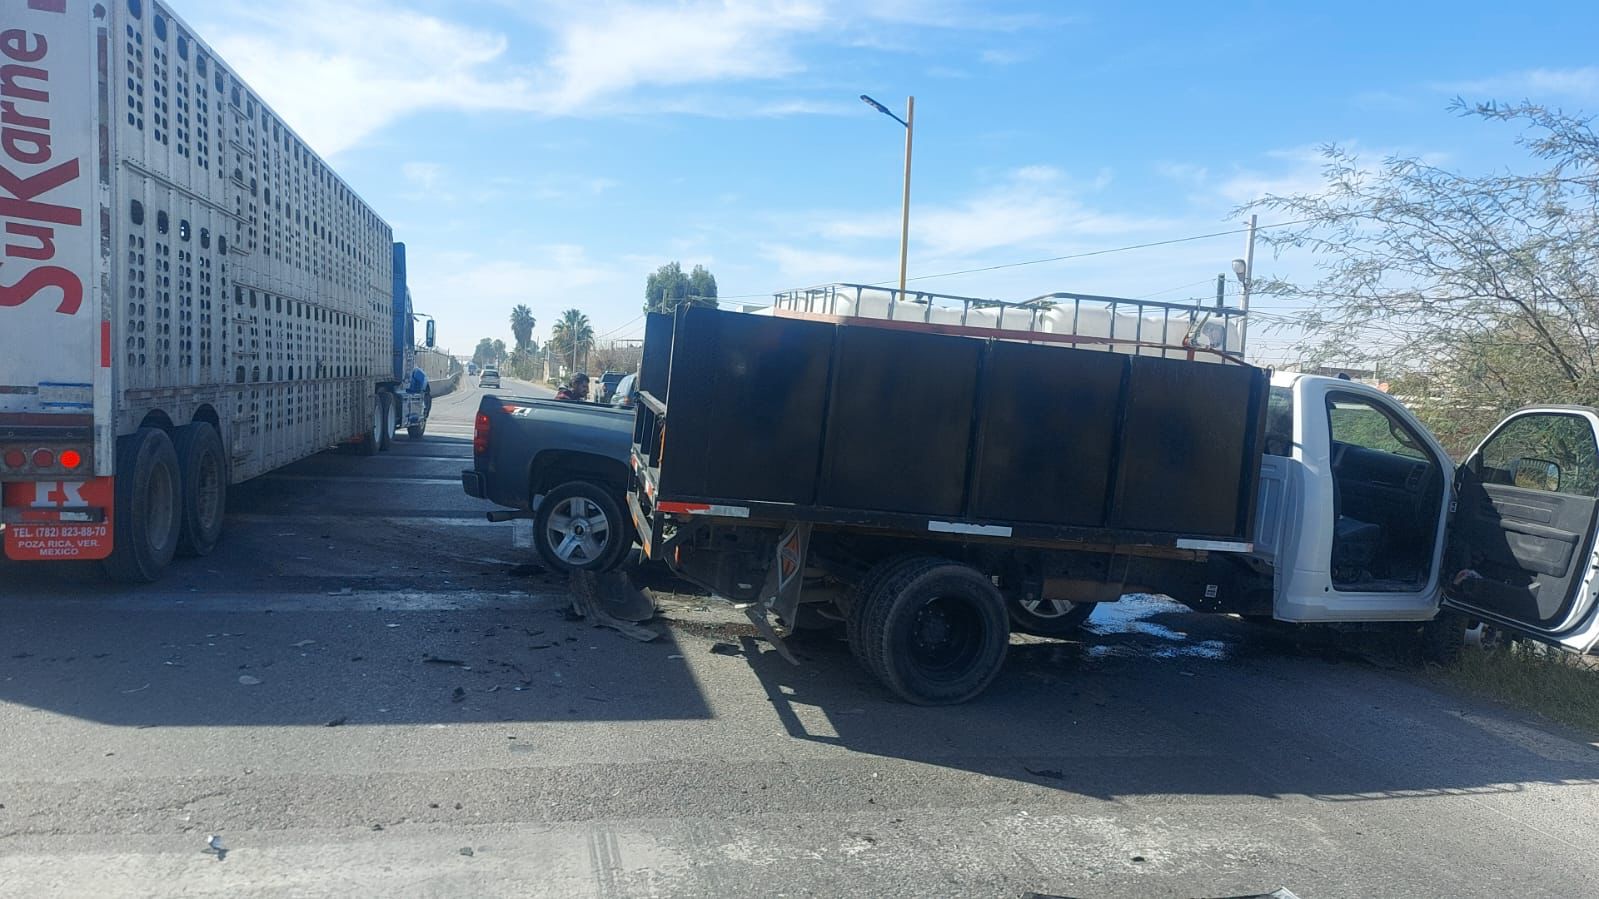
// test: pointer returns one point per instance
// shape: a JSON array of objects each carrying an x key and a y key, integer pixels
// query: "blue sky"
[{"x": 554, "y": 152}]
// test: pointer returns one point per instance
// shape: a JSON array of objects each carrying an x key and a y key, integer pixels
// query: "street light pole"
[{"x": 905, "y": 201}]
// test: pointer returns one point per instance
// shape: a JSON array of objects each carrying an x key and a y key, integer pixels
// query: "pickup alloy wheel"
[
  {"x": 579, "y": 528},
  {"x": 1049, "y": 617}
]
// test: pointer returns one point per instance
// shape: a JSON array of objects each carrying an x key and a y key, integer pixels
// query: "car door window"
[{"x": 1545, "y": 451}]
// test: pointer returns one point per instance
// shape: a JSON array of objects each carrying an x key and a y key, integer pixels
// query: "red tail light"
[
  {"x": 480, "y": 434},
  {"x": 44, "y": 459},
  {"x": 16, "y": 458},
  {"x": 71, "y": 459}
]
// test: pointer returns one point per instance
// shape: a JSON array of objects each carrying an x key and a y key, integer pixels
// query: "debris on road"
[
  {"x": 303, "y": 644},
  {"x": 725, "y": 649},
  {"x": 593, "y": 598},
  {"x": 435, "y": 660},
  {"x": 458, "y": 695},
  {"x": 342, "y": 591},
  {"x": 213, "y": 846},
  {"x": 248, "y": 680},
  {"x": 1050, "y": 773},
  {"x": 136, "y": 689},
  {"x": 337, "y": 721},
  {"x": 467, "y": 851}
]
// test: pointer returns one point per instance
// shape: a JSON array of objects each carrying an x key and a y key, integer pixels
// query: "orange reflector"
[
  {"x": 44, "y": 459},
  {"x": 71, "y": 459}
]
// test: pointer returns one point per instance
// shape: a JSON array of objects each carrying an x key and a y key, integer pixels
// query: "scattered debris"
[
  {"x": 303, "y": 644},
  {"x": 248, "y": 680},
  {"x": 137, "y": 689},
  {"x": 435, "y": 660},
  {"x": 467, "y": 851},
  {"x": 392, "y": 624},
  {"x": 213, "y": 846},
  {"x": 1050, "y": 773},
  {"x": 337, "y": 721},
  {"x": 594, "y": 597},
  {"x": 675, "y": 655},
  {"x": 342, "y": 591},
  {"x": 458, "y": 695},
  {"x": 725, "y": 649},
  {"x": 377, "y": 827}
]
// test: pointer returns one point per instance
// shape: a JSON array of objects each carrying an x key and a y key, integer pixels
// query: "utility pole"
[{"x": 905, "y": 198}]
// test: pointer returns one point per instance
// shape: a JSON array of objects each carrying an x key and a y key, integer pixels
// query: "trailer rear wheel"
[
  {"x": 579, "y": 527},
  {"x": 148, "y": 501},
  {"x": 390, "y": 420},
  {"x": 205, "y": 488},
  {"x": 936, "y": 632},
  {"x": 373, "y": 441},
  {"x": 1049, "y": 617}
]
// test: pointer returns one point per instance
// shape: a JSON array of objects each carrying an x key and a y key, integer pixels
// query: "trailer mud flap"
[{"x": 57, "y": 520}]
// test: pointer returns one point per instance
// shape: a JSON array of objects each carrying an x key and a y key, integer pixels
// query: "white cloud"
[
  {"x": 1580, "y": 83},
  {"x": 424, "y": 175}
]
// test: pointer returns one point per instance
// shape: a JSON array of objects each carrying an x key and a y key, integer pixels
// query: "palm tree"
[
  {"x": 572, "y": 337},
  {"x": 522, "y": 325}
]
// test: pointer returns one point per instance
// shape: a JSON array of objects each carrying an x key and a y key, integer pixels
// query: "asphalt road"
[{"x": 367, "y": 691}]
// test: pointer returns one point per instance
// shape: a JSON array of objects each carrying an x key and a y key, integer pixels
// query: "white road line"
[
  {"x": 468, "y": 519},
  {"x": 360, "y": 601}
]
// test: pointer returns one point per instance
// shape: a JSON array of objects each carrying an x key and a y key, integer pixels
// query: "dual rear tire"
[
  {"x": 170, "y": 495},
  {"x": 933, "y": 631}
]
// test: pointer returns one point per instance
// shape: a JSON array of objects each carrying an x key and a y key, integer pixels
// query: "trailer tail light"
[
  {"x": 44, "y": 459},
  {"x": 480, "y": 434},
  {"x": 15, "y": 459},
  {"x": 71, "y": 459}
]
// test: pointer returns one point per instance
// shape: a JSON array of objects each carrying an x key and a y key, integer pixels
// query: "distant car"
[
  {"x": 625, "y": 392},
  {"x": 607, "y": 385},
  {"x": 489, "y": 378},
  {"x": 471, "y": 369}
]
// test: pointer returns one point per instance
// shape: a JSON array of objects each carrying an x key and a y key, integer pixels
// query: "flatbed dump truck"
[
  {"x": 189, "y": 296},
  {"x": 934, "y": 471}
]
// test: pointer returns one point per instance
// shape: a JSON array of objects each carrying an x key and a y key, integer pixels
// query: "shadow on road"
[{"x": 1157, "y": 700}]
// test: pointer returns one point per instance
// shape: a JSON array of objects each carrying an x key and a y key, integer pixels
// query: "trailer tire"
[
  {"x": 1057, "y": 618},
  {"x": 936, "y": 632},
  {"x": 373, "y": 441},
  {"x": 583, "y": 505},
  {"x": 391, "y": 416},
  {"x": 204, "y": 469},
  {"x": 146, "y": 516}
]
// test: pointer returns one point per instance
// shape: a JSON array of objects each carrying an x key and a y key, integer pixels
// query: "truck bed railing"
[{"x": 1088, "y": 321}]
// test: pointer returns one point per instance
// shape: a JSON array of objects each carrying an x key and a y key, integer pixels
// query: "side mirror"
[
  {"x": 1536, "y": 474},
  {"x": 431, "y": 330}
]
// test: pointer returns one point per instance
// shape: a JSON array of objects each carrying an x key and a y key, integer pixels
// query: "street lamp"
[{"x": 905, "y": 205}]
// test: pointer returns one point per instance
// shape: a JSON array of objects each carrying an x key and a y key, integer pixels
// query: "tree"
[
  {"x": 499, "y": 352},
  {"x": 1485, "y": 285},
  {"x": 571, "y": 339},
  {"x": 625, "y": 358},
  {"x": 667, "y": 288},
  {"x": 484, "y": 354},
  {"x": 522, "y": 322}
]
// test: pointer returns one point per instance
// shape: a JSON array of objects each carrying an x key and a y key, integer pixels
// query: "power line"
[{"x": 1084, "y": 255}]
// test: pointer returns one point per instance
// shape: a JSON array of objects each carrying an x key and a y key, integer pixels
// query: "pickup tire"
[
  {"x": 1049, "y": 617},
  {"x": 146, "y": 517},
  {"x": 936, "y": 632},
  {"x": 204, "y": 470},
  {"x": 579, "y": 527}
]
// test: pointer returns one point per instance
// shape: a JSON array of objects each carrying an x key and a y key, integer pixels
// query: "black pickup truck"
[{"x": 563, "y": 464}]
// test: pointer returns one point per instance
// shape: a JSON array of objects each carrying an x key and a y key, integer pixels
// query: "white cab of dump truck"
[
  {"x": 189, "y": 296},
  {"x": 1364, "y": 517}
]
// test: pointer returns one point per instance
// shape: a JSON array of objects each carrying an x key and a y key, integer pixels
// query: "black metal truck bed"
[{"x": 861, "y": 425}]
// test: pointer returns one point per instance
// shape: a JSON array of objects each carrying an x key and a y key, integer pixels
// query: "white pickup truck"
[{"x": 1364, "y": 517}]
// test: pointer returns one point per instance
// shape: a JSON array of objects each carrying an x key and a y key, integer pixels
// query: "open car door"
[{"x": 1522, "y": 546}]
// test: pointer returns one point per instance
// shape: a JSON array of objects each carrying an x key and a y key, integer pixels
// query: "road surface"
[{"x": 367, "y": 691}]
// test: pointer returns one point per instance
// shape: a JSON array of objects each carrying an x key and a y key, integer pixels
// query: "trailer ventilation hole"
[
  {"x": 136, "y": 8},
  {"x": 205, "y": 238},
  {"x": 161, "y": 27},
  {"x": 162, "y": 223},
  {"x": 183, "y": 230},
  {"x": 136, "y": 210}
]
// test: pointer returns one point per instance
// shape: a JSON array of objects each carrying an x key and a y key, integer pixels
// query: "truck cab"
[{"x": 1363, "y": 516}]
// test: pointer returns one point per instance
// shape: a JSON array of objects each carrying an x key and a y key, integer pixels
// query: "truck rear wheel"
[
  {"x": 579, "y": 527},
  {"x": 936, "y": 632},
  {"x": 205, "y": 488},
  {"x": 1049, "y": 617},
  {"x": 859, "y": 596},
  {"x": 146, "y": 517}
]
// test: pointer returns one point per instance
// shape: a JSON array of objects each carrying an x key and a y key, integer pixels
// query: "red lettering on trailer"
[
  {"x": 25, "y": 140},
  {"x": 43, "y": 532},
  {"x": 48, "y": 5}
]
